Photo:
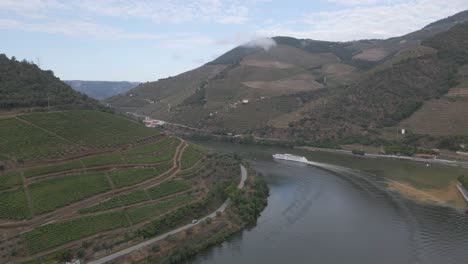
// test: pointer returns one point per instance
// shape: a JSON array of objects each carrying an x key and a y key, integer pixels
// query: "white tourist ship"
[{"x": 290, "y": 157}]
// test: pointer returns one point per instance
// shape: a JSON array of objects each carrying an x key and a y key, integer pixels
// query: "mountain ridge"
[{"x": 299, "y": 88}]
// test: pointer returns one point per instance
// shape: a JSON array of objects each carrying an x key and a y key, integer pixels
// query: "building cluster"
[{"x": 149, "y": 122}]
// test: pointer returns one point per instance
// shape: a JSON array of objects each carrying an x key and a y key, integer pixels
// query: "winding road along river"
[{"x": 339, "y": 216}]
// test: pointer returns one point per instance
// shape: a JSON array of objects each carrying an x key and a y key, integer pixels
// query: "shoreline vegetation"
[
  {"x": 246, "y": 207},
  {"x": 385, "y": 149}
]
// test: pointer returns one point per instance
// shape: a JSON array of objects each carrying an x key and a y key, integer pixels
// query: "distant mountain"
[
  {"x": 302, "y": 89},
  {"x": 24, "y": 85},
  {"x": 101, "y": 89}
]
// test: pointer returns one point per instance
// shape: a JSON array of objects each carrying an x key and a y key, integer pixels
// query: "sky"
[{"x": 145, "y": 40}]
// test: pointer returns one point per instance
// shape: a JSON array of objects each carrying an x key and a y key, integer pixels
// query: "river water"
[{"x": 338, "y": 215}]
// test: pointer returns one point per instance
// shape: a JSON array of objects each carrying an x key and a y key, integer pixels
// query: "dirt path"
[{"x": 28, "y": 194}]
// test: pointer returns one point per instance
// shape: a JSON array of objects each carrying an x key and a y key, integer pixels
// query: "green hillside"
[
  {"x": 23, "y": 84},
  {"x": 82, "y": 175},
  {"x": 51, "y": 135}
]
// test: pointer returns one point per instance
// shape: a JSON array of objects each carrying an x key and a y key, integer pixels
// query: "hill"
[
  {"x": 24, "y": 85},
  {"x": 84, "y": 183},
  {"x": 101, "y": 89},
  {"x": 308, "y": 90}
]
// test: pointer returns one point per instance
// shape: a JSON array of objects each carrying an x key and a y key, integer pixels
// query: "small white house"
[
  {"x": 403, "y": 131},
  {"x": 245, "y": 101}
]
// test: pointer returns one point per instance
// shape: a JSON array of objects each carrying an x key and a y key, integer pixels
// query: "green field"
[
  {"x": 118, "y": 201},
  {"x": 51, "y": 194},
  {"x": 56, "y": 153},
  {"x": 167, "y": 188},
  {"x": 201, "y": 168},
  {"x": 102, "y": 160},
  {"x": 52, "y": 235},
  {"x": 165, "y": 155},
  {"x": 134, "y": 176},
  {"x": 9, "y": 180},
  {"x": 14, "y": 205},
  {"x": 75, "y": 164},
  {"x": 191, "y": 155},
  {"x": 154, "y": 147},
  {"x": 91, "y": 128},
  {"x": 57, "y": 133},
  {"x": 23, "y": 141},
  {"x": 149, "y": 211}
]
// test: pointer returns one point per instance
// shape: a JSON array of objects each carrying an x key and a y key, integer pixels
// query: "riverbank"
[
  {"x": 369, "y": 155},
  {"x": 178, "y": 244},
  {"x": 417, "y": 179}
]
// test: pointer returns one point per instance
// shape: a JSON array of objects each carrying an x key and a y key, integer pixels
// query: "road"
[{"x": 175, "y": 231}]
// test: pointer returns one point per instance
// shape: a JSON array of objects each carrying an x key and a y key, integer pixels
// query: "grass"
[
  {"x": 151, "y": 148},
  {"x": 149, "y": 211},
  {"x": 167, "y": 188},
  {"x": 134, "y": 176},
  {"x": 23, "y": 141},
  {"x": 118, "y": 201},
  {"x": 187, "y": 174},
  {"x": 48, "y": 236},
  {"x": 91, "y": 128},
  {"x": 58, "y": 133},
  {"x": 14, "y": 205},
  {"x": 9, "y": 180},
  {"x": 102, "y": 160},
  {"x": 51, "y": 194},
  {"x": 165, "y": 155},
  {"x": 75, "y": 164},
  {"x": 191, "y": 155}
]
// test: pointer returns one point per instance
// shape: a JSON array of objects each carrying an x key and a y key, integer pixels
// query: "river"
[{"x": 339, "y": 215}]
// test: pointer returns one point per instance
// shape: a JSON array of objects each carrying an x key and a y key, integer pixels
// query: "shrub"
[{"x": 358, "y": 152}]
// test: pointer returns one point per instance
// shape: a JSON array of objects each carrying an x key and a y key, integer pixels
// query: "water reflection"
[{"x": 340, "y": 216}]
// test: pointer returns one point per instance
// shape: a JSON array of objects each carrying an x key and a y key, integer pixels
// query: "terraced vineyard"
[
  {"x": 441, "y": 117},
  {"x": 109, "y": 174},
  {"x": 14, "y": 204},
  {"x": 192, "y": 155},
  {"x": 49, "y": 135}
]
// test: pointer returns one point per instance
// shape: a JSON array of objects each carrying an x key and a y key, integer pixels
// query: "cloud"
[
  {"x": 161, "y": 11},
  {"x": 381, "y": 19},
  {"x": 265, "y": 43},
  {"x": 75, "y": 28}
]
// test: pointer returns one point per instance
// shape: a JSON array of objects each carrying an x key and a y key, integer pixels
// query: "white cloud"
[
  {"x": 74, "y": 28},
  {"x": 264, "y": 43},
  {"x": 381, "y": 19}
]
